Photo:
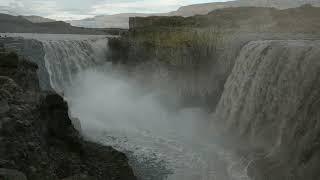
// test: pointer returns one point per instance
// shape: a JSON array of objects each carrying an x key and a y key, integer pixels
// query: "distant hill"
[
  {"x": 38, "y": 19},
  {"x": 201, "y": 9},
  {"x": 19, "y": 24},
  {"x": 122, "y": 20},
  {"x": 248, "y": 19}
]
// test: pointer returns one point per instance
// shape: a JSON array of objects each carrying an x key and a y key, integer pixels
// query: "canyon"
[{"x": 230, "y": 95}]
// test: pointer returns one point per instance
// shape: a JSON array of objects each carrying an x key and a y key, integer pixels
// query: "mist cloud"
[{"x": 111, "y": 101}]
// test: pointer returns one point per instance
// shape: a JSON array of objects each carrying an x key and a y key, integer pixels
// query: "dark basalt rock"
[
  {"x": 9, "y": 60},
  {"x": 80, "y": 177},
  {"x": 37, "y": 138},
  {"x": 54, "y": 110},
  {"x": 12, "y": 174}
]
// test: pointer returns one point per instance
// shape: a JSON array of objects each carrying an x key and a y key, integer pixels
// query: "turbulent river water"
[{"x": 161, "y": 143}]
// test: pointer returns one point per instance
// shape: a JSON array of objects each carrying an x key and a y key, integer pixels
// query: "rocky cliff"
[
  {"x": 195, "y": 55},
  {"x": 259, "y": 78},
  {"x": 38, "y": 140}
]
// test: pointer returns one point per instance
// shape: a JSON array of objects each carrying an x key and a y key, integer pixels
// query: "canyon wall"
[
  {"x": 256, "y": 69},
  {"x": 264, "y": 91},
  {"x": 259, "y": 79},
  {"x": 183, "y": 68},
  {"x": 195, "y": 55}
]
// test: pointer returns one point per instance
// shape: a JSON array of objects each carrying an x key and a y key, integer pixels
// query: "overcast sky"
[{"x": 78, "y": 9}]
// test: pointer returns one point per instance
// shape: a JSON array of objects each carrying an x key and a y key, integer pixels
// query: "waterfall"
[
  {"x": 271, "y": 81},
  {"x": 59, "y": 56},
  {"x": 65, "y": 58}
]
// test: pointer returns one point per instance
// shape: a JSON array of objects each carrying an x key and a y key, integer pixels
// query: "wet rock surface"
[{"x": 37, "y": 139}]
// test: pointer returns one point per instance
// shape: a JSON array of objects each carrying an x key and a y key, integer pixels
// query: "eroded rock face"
[
  {"x": 37, "y": 137},
  {"x": 12, "y": 174},
  {"x": 54, "y": 110},
  {"x": 272, "y": 98}
]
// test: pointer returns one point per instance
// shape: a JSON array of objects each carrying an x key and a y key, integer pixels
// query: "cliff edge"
[{"x": 37, "y": 138}]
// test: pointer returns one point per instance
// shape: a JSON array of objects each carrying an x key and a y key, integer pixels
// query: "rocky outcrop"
[
  {"x": 37, "y": 139},
  {"x": 271, "y": 99},
  {"x": 32, "y": 50}
]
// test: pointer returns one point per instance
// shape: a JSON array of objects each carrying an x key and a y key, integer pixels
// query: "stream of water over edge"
[{"x": 159, "y": 145}]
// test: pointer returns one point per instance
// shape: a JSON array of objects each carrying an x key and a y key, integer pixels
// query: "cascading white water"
[
  {"x": 161, "y": 143},
  {"x": 65, "y": 55},
  {"x": 65, "y": 58}
]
